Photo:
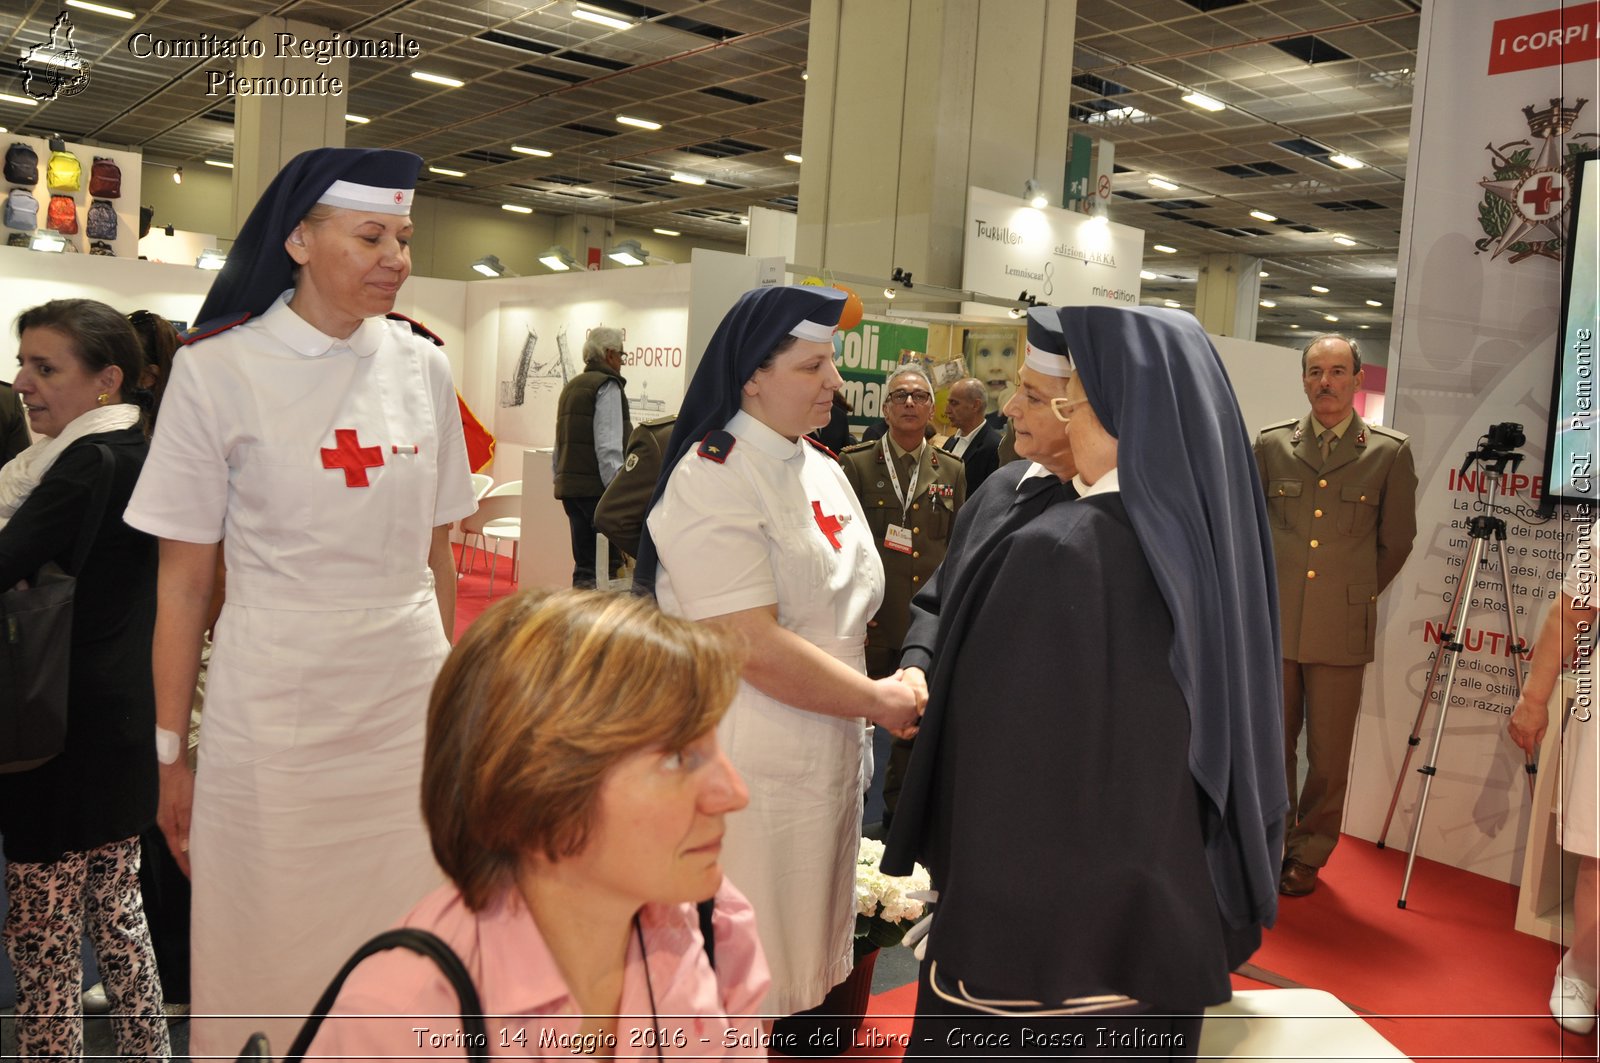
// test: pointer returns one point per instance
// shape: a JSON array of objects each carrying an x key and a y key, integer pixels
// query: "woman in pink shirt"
[{"x": 575, "y": 794}]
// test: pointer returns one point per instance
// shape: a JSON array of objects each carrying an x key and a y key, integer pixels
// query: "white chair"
[
  {"x": 498, "y": 530},
  {"x": 500, "y": 510},
  {"x": 481, "y": 482},
  {"x": 469, "y": 527}
]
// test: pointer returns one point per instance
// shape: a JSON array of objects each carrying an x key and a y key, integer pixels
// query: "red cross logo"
[
  {"x": 399, "y": 197},
  {"x": 1542, "y": 195},
  {"x": 831, "y": 526},
  {"x": 349, "y": 455}
]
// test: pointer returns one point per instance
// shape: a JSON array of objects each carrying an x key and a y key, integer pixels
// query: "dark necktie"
[{"x": 950, "y": 444}]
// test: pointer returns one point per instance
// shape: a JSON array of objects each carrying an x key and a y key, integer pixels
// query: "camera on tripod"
[{"x": 1497, "y": 448}]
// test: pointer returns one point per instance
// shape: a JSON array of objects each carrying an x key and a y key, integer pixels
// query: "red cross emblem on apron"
[{"x": 349, "y": 455}]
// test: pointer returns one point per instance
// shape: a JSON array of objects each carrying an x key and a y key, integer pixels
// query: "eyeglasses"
[
  {"x": 1062, "y": 408},
  {"x": 916, "y": 398}
]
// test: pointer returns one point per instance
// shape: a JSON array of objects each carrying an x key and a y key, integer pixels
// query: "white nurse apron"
[
  {"x": 792, "y": 851},
  {"x": 307, "y": 836}
]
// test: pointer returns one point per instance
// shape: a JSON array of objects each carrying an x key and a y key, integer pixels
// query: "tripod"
[{"x": 1479, "y": 530}]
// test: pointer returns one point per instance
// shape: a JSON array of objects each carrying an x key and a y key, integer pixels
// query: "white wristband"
[{"x": 168, "y": 746}]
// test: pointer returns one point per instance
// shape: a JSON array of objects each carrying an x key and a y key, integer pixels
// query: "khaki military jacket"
[
  {"x": 941, "y": 490},
  {"x": 1340, "y": 532}
]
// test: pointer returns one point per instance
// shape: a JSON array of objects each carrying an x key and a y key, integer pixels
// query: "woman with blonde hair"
[{"x": 576, "y": 796}]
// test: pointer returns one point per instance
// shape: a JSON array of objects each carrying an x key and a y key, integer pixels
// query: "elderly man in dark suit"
[
  {"x": 1341, "y": 497},
  {"x": 975, "y": 441}
]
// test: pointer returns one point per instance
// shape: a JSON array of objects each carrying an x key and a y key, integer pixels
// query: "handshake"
[{"x": 900, "y": 700}]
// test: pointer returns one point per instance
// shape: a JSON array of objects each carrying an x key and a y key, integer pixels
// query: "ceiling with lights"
[{"x": 1269, "y": 128}]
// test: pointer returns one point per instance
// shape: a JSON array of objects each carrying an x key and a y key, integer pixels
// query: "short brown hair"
[{"x": 545, "y": 693}]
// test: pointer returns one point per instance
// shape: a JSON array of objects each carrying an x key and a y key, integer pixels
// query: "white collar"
[
  {"x": 756, "y": 433},
  {"x": 1104, "y": 485},
  {"x": 306, "y": 340},
  {"x": 1035, "y": 469}
]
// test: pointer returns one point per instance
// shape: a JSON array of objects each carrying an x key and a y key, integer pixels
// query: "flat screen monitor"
[{"x": 1571, "y": 471}]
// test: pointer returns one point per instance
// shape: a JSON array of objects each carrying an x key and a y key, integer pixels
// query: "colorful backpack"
[
  {"x": 22, "y": 210},
  {"x": 105, "y": 178},
  {"x": 22, "y": 165},
  {"x": 65, "y": 173},
  {"x": 102, "y": 221},
  {"x": 63, "y": 216}
]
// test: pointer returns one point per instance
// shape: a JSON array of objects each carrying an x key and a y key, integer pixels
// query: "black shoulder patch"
[
  {"x": 417, "y": 327},
  {"x": 822, "y": 447},
  {"x": 207, "y": 329},
  {"x": 717, "y": 445}
]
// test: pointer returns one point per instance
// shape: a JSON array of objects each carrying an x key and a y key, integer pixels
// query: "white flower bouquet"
[{"x": 886, "y": 906}]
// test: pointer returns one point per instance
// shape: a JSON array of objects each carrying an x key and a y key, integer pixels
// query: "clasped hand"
[{"x": 902, "y": 697}]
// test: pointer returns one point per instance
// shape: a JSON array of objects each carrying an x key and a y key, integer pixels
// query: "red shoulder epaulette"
[
  {"x": 207, "y": 329},
  {"x": 822, "y": 447},
  {"x": 416, "y": 326},
  {"x": 716, "y": 446}
]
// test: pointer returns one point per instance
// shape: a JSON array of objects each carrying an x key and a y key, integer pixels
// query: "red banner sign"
[{"x": 1546, "y": 38}]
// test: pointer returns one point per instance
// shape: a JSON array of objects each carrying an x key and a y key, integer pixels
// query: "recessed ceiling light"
[
  {"x": 688, "y": 178},
  {"x": 1146, "y": 275},
  {"x": 516, "y": 208},
  {"x": 1319, "y": 289},
  {"x": 1205, "y": 103},
  {"x": 1294, "y": 326},
  {"x": 1263, "y": 273},
  {"x": 6, "y": 97},
  {"x": 1162, "y": 182},
  {"x": 641, "y": 123},
  {"x": 1366, "y": 326},
  {"x": 220, "y": 163},
  {"x": 100, "y": 9},
  {"x": 744, "y": 219},
  {"x": 805, "y": 75},
  {"x": 601, "y": 17},
  {"x": 1373, "y": 302},
  {"x": 1173, "y": 303},
  {"x": 667, "y": 232},
  {"x": 1268, "y": 303},
  {"x": 790, "y": 156},
  {"x": 1165, "y": 250},
  {"x": 1344, "y": 240},
  {"x": 446, "y": 172},
  {"x": 1261, "y": 215},
  {"x": 1330, "y": 317},
  {"x": 538, "y": 152},
  {"x": 356, "y": 119},
  {"x": 437, "y": 79},
  {"x": 1349, "y": 162}
]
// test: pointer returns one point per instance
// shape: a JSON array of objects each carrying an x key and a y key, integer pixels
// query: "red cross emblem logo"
[
  {"x": 349, "y": 455},
  {"x": 1542, "y": 196},
  {"x": 399, "y": 197},
  {"x": 831, "y": 526}
]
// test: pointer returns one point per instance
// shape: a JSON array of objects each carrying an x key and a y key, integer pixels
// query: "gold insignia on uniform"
[{"x": 631, "y": 463}]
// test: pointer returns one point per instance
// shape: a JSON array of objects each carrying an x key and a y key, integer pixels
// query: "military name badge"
[{"x": 897, "y": 538}]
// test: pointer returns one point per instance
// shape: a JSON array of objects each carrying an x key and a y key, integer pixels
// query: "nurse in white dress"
[
  {"x": 757, "y": 531},
  {"x": 1566, "y": 640},
  {"x": 320, "y": 441}
]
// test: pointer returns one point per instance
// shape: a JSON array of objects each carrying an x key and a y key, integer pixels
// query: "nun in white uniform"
[
  {"x": 318, "y": 437},
  {"x": 755, "y": 529}
]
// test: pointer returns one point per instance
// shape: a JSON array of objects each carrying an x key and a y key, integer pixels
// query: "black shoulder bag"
[{"x": 36, "y": 646}]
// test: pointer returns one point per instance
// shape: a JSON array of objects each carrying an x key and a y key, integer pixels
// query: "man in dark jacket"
[
  {"x": 591, "y": 424},
  {"x": 975, "y": 440}
]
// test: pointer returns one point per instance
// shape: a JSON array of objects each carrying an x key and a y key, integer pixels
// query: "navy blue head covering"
[
  {"x": 1189, "y": 481},
  {"x": 258, "y": 269},
  {"x": 749, "y": 333}
]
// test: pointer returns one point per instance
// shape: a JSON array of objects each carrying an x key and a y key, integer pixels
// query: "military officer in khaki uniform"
[
  {"x": 910, "y": 491},
  {"x": 621, "y": 512},
  {"x": 1341, "y": 499}
]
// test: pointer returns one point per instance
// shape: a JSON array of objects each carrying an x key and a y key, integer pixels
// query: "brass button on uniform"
[
  {"x": 916, "y": 531},
  {"x": 1315, "y": 544},
  {"x": 916, "y": 553},
  {"x": 916, "y": 505},
  {"x": 916, "y": 579},
  {"x": 1312, "y": 574},
  {"x": 1322, "y": 483},
  {"x": 1314, "y": 513},
  {"x": 1363, "y": 498}
]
